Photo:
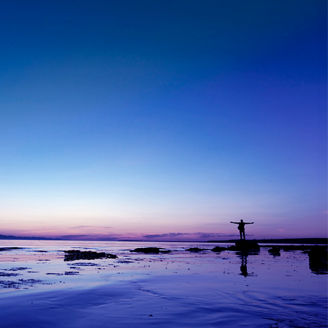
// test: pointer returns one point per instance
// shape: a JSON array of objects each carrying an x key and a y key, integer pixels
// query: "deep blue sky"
[{"x": 163, "y": 116}]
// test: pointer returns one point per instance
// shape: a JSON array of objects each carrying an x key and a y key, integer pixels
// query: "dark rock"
[
  {"x": 83, "y": 264},
  {"x": 8, "y": 274},
  {"x": 71, "y": 273},
  {"x": 9, "y": 284},
  {"x": 21, "y": 283},
  {"x": 125, "y": 261},
  {"x": 195, "y": 249},
  {"x": 275, "y": 251},
  {"x": 17, "y": 269},
  {"x": 74, "y": 255},
  {"x": 150, "y": 250},
  {"x": 55, "y": 274},
  {"x": 289, "y": 248},
  {"x": 318, "y": 259},
  {"x": 218, "y": 249},
  {"x": 4, "y": 249},
  {"x": 246, "y": 247},
  {"x": 29, "y": 281}
]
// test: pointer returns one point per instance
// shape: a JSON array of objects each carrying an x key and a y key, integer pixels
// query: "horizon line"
[{"x": 12, "y": 237}]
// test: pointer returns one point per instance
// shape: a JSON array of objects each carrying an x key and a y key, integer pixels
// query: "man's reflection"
[{"x": 243, "y": 267}]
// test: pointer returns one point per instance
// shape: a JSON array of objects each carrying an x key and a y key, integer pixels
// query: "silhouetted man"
[{"x": 241, "y": 228}]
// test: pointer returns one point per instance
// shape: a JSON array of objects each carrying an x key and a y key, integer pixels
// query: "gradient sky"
[{"x": 133, "y": 118}]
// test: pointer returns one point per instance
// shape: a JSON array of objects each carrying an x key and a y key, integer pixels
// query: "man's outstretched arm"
[
  {"x": 234, "y": 222},
  {"x": 249, "y": 222}
]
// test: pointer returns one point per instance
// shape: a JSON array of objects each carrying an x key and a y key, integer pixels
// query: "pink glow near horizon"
[
  {"x": 194, "y": 220},
  {"x": 196, "y": 232}
]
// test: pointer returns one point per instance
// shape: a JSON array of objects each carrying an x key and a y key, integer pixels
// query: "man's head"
[{"x": 241, "y": 220}]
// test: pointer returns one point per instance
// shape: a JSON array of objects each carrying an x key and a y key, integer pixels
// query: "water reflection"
[
  {"x": 243, "y": 255},
  {"x": 243, "y": 267}
]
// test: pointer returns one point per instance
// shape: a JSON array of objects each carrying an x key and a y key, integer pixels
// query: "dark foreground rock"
[
  {"x": 246, "y": 246},
  {"x": 17, "y": 269},
  {"x": 9, "y": 274},
  {"x": 150, "y": 250},
  {"x": 74, "y": 255},
  {"x": 195, "y": 249},
  {"x": 318, "y": 259},
  {"x": 290, "y": 248},
  {"x": 219, "y": 249},
  {"x": 5, "y": 249},
  {"x": 274, "y": 251}
]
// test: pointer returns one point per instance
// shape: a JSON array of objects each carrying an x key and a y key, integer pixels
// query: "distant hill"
[
  {"x": 7, "y": 237},
  {"x": 281, "y": 241}
]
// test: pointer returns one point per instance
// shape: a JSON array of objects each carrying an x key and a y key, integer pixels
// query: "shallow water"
[{"x": 179, "y": 289}]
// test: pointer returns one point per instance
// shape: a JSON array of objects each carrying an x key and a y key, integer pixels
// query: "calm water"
[{"x": 180, "y": 289}]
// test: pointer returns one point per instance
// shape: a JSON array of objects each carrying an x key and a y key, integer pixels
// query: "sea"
[{"x": 180, "y": 288}]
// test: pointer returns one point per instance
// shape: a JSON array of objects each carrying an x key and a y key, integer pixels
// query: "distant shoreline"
[{"x": 266, "y": 241}]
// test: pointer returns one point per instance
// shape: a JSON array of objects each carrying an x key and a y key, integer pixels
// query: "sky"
[{"x": 163, "y": 119}]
